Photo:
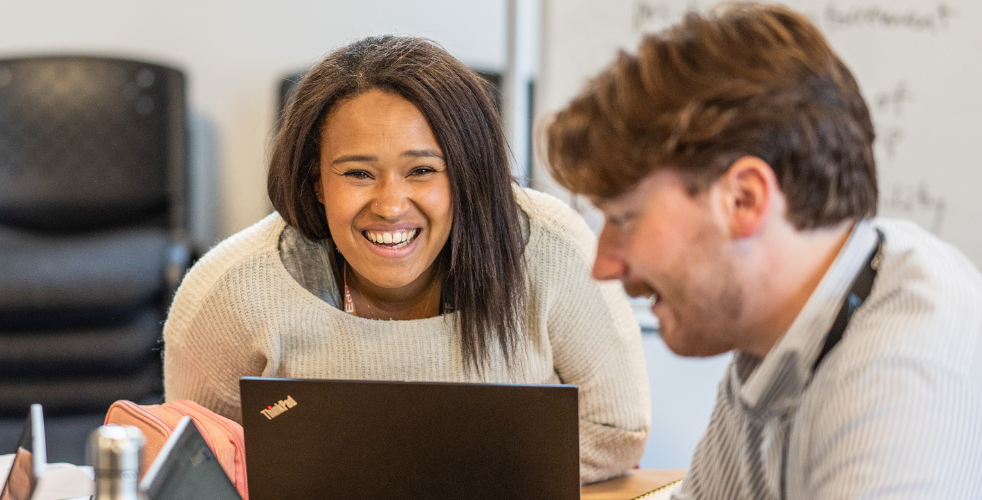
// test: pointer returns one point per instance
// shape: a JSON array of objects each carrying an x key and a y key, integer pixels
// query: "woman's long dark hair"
[{"x": 484, "y": 274}]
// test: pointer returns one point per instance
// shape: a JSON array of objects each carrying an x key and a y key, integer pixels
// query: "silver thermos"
[{"x": 114, "y": 451}]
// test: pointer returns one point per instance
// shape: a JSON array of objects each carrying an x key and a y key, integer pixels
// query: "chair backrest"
[
  {"x": 93, "y": 222},
  {"x": 91, "y": 142}
]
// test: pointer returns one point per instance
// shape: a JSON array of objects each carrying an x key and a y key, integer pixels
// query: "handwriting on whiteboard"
[
  {"x": 888, "y": 107},
  {"x": 653, "y": 15},
  {"x": 926, "y": 20},
  {"x": 915, "y": 202}
]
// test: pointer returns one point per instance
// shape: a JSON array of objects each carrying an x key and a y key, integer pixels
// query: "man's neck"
[{"x": 792, "y": 267}]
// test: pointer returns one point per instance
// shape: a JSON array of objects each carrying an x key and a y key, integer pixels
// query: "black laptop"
[{"x": 366, "y": 439}]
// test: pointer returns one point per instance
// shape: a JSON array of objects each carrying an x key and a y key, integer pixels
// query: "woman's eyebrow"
[
  {"x": 422, "y": 153},
  {"x": 354, "y": 158},
  {"x": 412, "y": 153}
]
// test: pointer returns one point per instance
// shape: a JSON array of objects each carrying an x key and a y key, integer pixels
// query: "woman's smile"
[{"x": 392, "y": 239}]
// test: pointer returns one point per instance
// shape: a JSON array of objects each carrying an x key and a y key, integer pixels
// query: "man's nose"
[{"x": 608, "y": 265}]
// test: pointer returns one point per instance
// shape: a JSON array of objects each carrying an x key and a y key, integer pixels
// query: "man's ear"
[{"x": 749, "y": 187}]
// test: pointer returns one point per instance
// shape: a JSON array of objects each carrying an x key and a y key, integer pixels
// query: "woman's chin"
[{"x": 391, "y": 277}]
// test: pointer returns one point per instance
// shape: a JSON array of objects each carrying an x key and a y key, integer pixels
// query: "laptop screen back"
[{"x": 361, "y": 439}]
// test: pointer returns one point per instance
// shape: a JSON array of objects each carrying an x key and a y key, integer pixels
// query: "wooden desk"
[{"x": 635, "y": 483}]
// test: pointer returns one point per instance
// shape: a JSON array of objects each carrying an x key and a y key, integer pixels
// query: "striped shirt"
[{"x": 895, "y": 409}]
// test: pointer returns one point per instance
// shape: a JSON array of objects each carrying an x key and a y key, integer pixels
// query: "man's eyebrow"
[
  {"x": 601, "y": 202},
  {"x": 354, "y": 158},
  {"x": 422, "y": 153}
]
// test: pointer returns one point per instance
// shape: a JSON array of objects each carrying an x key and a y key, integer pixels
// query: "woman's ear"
[
  {"x": 749, "y": 187},
  {"x": 316, "y": 180}
]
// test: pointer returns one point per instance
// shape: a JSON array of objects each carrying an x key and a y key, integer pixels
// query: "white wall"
[
  {"x": 234, "y": 54},
  {"x": 683, "y": 393}
]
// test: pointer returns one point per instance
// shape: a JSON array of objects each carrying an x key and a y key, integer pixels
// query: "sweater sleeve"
[
  {"x": 213, "y": 334},
  {"x": 596, "y": 344}
]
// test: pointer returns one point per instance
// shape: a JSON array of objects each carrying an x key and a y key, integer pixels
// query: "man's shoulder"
[
  {"x": 916, "y": 251},
  {"x": 902, "y": 391},
  {"x": 925, "y": 305},
  {"x": 925, "y": 276}
]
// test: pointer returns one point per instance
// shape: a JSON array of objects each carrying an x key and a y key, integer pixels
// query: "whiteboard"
[{"x": 918, "y": 63}]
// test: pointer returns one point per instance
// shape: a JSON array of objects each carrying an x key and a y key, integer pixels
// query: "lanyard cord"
[{"x": 858, "y": 293}]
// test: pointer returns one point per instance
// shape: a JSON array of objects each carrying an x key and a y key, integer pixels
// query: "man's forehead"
[
  {"x": 639, "y": 191},
  {"x": 605, "y": 203}
]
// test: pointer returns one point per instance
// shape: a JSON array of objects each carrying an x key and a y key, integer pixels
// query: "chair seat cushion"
[
  {"x": 46, "y": 280},
  {"x": 109, "y": 350},
  {"x": 74, "y": 394}
]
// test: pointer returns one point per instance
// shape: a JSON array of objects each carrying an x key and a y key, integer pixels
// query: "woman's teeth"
[{"x": 394, "y": 239}]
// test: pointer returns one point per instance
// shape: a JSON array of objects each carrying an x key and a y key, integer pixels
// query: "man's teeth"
[{"x": 397, "y": 238}]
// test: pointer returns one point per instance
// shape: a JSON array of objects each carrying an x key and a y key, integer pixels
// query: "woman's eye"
[
  {"x": 357, "y": 174},
  {"x": 422, "y": 170}
]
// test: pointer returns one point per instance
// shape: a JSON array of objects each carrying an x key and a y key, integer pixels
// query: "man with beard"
[{"x": 732, "y": 158}]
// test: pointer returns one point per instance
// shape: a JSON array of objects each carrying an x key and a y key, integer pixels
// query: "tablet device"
[
  {"x": 187, "y": 468},
  {"x": 30, "y": 459}
]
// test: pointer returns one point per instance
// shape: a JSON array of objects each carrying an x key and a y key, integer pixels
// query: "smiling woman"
[{"x": 402, "y": 250}]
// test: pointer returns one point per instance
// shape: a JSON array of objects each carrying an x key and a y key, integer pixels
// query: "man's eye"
[{"x": 618, "y": 220}]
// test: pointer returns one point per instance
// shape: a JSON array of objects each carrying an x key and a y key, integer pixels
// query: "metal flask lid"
[{"x": 114, "y": 452}]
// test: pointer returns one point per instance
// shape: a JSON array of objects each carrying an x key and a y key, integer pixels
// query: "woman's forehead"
[{"x": 378, "y": 122}]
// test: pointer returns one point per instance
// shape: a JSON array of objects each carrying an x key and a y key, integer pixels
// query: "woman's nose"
[{"x": 392, "y": 199}]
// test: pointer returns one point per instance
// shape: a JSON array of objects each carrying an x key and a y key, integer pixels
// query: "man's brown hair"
[{"x": 745, "y": 80}]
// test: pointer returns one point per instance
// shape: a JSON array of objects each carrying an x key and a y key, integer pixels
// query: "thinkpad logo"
[{"x": 279, "y": 408}]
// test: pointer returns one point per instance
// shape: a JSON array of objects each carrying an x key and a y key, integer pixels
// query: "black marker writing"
[{"x": 931, "y": 21}]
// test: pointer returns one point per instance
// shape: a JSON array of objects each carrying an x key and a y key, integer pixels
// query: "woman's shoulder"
[
  {"x": 553, "y": 222},
  {"x": 260, "y": 237},
  {"x": 230, "y": 256}
]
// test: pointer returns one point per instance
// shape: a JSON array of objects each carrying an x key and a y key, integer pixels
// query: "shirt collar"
[{"x": 778, "y": 380}]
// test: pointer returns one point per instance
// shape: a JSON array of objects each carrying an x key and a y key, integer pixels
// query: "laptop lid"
[
  {"x": 372, "y": 439},
  {"x": 30, "y": 459},
  {"x": 186, "y": 468}
]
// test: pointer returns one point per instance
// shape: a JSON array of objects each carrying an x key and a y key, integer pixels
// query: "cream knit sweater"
[{"x": 239, "y": 312}]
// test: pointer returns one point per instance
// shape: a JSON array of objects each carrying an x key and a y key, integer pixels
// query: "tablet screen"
[
  {"x": 29, "y": 459},
  {"x": 187, "y": 468}
]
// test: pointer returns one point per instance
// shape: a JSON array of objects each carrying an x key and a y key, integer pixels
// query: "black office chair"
[{"x": 93, "y": 225}]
